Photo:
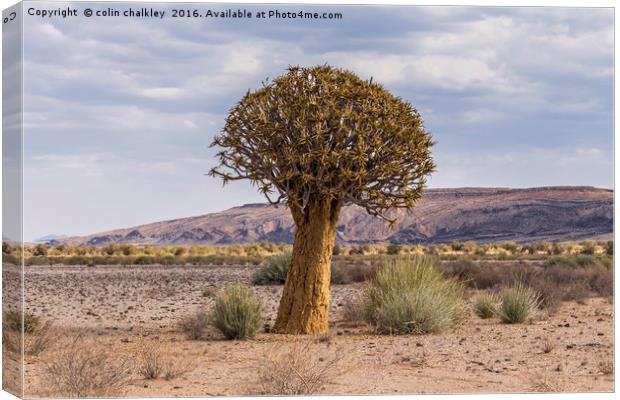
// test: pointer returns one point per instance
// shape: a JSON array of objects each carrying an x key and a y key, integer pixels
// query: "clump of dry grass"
[
  {"x": 84, "y": 369},
  {"x": 547, "y": 346},
  {"x": 40, "y": 339},
  {"x": 176, "y": 368},
  {"x": 11, "y": 341},
  {"x": 153, "y": 363},
  {"x": 324, "y": 338},
  {"x": 36, "y": 340},
  {"x": 194, "y": 325},
  {"x": 353, "y": 310},
  {"x": 297, "y": 370},
  {"x": 544, "y": 382},
  {"x": 16, "y": 320},
  {"x": 150, "y": 360},
  {"x": 606, "y": 367}
]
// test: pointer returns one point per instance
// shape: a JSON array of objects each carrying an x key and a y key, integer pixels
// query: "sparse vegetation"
[
  {"x": 274, "y": 271},
  {"x": 548, "y": 345},
  {"x": 85, "y": 369},
  {"x": 518, "y": 303},
  {"x": 606, "y": 367},
  {"x": 40, "y": 338},
  {"x": 545, "y": 382},
  {"x": 353, "y": 310},
  {"x": 255, "y": 254},
  {"x": 194, "y": 325},
  {"x": 276, "y": 268},
  {"x": 237, "y": 313},
  {"x": 150, "y": 360},
  {"x": 176, "y": 368},
  {"x": 409, "y": 295},
  {"x": 12, "y": 319},
  {"x": 485, "y": 305},
  {"x": 300, "y": 369}
]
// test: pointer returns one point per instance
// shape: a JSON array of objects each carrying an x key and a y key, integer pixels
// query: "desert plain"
[{"x": 132, "y": 314}]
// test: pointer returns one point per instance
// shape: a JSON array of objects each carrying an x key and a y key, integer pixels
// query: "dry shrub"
[
  {"x": 547, "y": 346},
  {"x": 546, "y": 383},
  {"x": 152, "y": 363},
  {"x": 606, "y": 367},
  {"x": 150, "y": 360},
  {"x": 601, "y": 281},
  {"x": 194, "y": 325},
  {"x": 353, "y": 310},
  {"x": 576, "y": 291},
  {"x": 298, "y": 369},
  {"x": 39, "y": 339},
  {"x": 12, "y": 319},
  {"x": 176, "y": 368},
  {"x": 324, "y": 337},
  {"x": 550, "y": 294},
  {"x": 84, "y": 369},
  {"x": 477, "y": 275},
  {"x": 360, "y": 272},
  {"x": 11, "y": 341}
]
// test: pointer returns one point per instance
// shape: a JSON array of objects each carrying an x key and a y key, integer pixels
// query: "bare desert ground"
[{"x": 122, "y": 310}]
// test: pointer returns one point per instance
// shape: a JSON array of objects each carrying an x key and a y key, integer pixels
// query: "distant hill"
[
  {"x": 50, "y": 238},
  {"x": 442, "y": 215}
]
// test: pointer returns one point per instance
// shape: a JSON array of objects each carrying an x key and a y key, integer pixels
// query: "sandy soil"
[{"x": 125, "y": 307}]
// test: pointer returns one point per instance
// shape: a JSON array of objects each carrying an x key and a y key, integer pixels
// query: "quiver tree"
[{"x": 317, "y": 139}]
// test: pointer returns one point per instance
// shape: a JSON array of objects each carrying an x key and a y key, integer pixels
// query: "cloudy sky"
[{"x": 119, "y": 112}]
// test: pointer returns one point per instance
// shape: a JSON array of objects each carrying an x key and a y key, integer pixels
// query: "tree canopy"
[{"x": 323, "y": 132}]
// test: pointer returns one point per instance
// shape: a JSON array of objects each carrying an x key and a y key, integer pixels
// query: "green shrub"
[
  {"x": 561, "y": 261},
  {"x": 586, "y": 261},
  {"x": 518, "y": 303},
  {"x": 276, "y": 267},
  {"x": 237, "y": 313},
  {"x": 485, "y": 305},
  {"x": 410, "y": 295},
  {"x": 274, "y": 271}
]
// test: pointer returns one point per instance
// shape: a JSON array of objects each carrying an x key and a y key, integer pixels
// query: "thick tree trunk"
[{"x": 305, "y": 301}]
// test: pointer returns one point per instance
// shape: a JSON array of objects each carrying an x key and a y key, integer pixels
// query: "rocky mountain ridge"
[{"x": 442, "y": 215}]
